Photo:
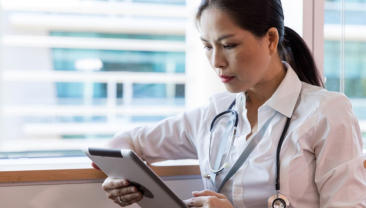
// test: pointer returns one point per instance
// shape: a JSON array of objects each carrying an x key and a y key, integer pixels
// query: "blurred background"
[{"x": 74, "y": 72}]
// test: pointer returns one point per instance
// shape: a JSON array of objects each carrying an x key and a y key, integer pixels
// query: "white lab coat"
[{"x": 321, "y": 157}]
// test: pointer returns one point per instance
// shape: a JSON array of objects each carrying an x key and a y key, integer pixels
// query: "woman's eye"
[
  {"x": 207, "y": 47},
  {"x": 230, "y": 46}
]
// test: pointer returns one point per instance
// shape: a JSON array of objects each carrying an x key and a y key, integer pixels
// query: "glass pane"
[
  {"x": 70, "y": 81},
  {"x": 345, "y": 53},
  {"x": 68, "y": 85}
]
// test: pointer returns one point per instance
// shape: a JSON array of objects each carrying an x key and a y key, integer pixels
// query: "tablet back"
[{"x": 126, "y": 164}]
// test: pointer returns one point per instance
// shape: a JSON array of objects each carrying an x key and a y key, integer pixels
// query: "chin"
[{"x": 234, "y": 89}]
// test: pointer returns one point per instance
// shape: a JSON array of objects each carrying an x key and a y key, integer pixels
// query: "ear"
[{"x": 273, "y": 39}]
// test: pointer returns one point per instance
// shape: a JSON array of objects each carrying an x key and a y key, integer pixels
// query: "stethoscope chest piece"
[{"x": 278, "y": 201}]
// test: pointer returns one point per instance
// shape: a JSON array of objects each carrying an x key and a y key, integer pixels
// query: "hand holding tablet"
[
  {"x": 121, "y": 191},
  {"x": 130, "y": 180}
]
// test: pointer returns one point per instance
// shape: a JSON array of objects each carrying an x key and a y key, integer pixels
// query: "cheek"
[
  {"x": 246, "y": 62},
  {"x": 262, "y": 54},
  {"x": 253, "y": 59}
]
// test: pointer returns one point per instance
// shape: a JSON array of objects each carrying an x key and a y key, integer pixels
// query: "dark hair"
[{"x": 257, "y": 16}]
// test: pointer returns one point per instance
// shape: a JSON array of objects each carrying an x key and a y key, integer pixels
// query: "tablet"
[{"x": 124, "y": 163}]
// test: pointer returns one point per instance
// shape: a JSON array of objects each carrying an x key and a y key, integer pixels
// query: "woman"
[{"x": 277, "y": 94}]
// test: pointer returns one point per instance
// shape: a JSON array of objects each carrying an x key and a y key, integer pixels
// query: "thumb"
[{"x": 208, "y": 193}]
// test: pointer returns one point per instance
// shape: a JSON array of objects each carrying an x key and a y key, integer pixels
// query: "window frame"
[
  {"x": 75, "y": 170},
  {"x": 313, "y": 30}
]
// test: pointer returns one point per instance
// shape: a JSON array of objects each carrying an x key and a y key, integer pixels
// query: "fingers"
[
  {"x": 208, "y": 202},
  {"x": 137, "y": 196},
  {"x": 194, "y": 202},
  {"x": 208, "y": 193},
  {"x": 113, "y": 183},
  {"x": 208, "y": 199},
  {"x": 128, "y": 199},
  {"x": 122, "y": 192}
]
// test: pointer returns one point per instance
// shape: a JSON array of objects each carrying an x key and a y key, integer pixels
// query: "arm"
[
  {"x": 171, "y": 138},
  {"x": 168, "y": 139},
  {"x": 339, "y": 175}
]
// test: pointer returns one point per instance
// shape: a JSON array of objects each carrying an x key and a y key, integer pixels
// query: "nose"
[{"x": 218, "y": 60}]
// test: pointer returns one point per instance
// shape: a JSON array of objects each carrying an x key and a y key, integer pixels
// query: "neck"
[{"x": 261, "y": 92}]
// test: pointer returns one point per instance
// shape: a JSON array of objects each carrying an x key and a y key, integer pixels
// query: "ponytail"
[{"x": 293, "y": 50}]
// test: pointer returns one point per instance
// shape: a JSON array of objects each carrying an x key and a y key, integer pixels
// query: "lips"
[{"x": 226, "y": 79}]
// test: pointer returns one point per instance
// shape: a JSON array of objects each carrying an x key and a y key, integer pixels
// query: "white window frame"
[
  {"x": 1, "y": 77},
  {"x": 313, "y": 29}
]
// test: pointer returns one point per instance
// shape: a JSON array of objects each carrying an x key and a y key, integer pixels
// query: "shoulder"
[
  {"x": 317, "y": 99},
  {"x": 197, "y": 120},
  {"x": 320, "y": 112},
  {"x": 221, "y": 101},
  {"x": 319, "y": 109},
  {"x": 324, "y": 116},
  {"x": 217, "y": 103}
]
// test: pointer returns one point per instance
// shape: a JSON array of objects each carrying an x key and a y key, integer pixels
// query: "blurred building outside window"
[
  {"x": 74, "y": 72},
  {"x": 345, "y": 53}
]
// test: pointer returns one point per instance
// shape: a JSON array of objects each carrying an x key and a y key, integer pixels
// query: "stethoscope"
[{"x": 229, "y": 120}]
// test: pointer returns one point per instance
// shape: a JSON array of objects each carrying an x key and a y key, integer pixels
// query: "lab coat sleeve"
[
  {"x": 171, "y": 138},
  {"x": 339, "y": 176}
]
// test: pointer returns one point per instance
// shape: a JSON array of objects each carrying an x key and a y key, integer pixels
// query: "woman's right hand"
[{"x": 121, "y": 191}]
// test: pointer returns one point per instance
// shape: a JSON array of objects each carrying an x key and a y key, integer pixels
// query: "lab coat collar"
[{"x": 286, "y": 95}]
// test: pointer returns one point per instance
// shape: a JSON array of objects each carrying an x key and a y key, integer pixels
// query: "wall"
[{"x": 78, "y": 194}]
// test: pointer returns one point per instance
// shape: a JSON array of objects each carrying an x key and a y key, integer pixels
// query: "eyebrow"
[{"x": 220, "y": 38}]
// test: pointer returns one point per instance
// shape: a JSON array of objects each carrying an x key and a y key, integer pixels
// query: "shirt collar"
[{"x": 285, "y": 97}]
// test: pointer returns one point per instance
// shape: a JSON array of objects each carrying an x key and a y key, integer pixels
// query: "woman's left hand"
[{"x": 208, "y": 199}]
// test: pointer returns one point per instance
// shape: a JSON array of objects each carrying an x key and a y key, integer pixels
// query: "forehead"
[{"x": 215, "y": 22}]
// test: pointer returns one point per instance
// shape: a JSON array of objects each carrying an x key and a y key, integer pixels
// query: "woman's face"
[{"x": 241, "y": 59}]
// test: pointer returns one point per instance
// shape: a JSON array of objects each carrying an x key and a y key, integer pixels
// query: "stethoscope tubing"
[{"x": 279, "y": 146}]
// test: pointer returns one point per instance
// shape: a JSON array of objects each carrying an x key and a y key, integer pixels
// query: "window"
[
  {"x": 345, "y": 52},
  {"x": 75, "y": 72}
]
